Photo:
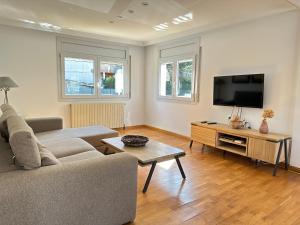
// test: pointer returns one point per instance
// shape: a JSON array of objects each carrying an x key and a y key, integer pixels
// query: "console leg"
[
  {"x": 290, "y": 150},
  {"x": 286, "y": 157},
  {"x": 203, "y": 147},
  {"x": 278, "y": 158},
  {"x": 191, "y": 143}
]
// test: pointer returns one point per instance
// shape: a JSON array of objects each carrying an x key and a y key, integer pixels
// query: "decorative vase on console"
[{"x": 268, "y": 113}]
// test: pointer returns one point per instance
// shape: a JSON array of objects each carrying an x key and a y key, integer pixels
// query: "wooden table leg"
[
  {"x": 149, "y": 177},
  {"x": 278, "y": 158}
]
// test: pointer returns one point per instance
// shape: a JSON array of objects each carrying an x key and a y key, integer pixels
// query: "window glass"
[
  {"x": 112, "y": 78},
  {"x": 184, "y": 78},
  {"x": 166, "y": 79},
  {"x": 79, "y": 76}
]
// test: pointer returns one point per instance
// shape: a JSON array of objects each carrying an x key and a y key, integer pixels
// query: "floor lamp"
[{"x": 5, "y": 84}]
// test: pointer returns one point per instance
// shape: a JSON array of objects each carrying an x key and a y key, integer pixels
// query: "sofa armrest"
[
  {"x": 45, "y": 124},
  {"x": 94, "y": 191}
]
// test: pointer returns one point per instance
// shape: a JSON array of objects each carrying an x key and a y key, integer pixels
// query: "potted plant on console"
[{"x": 268, "y": 113}]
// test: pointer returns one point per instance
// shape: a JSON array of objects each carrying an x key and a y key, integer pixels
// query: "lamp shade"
[{"x": 7, "y": 82}]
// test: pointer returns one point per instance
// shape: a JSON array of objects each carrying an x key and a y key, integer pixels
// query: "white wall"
[
  {"x": 29, "y": 58},
  {"x": 262, "y": 46},
  {"x": 295, "y": 158}
]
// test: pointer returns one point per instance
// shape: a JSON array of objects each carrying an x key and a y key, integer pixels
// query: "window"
[
  {"x": 92, "y": 71},
  {"x": 178, "y": 72},
  {"x": 177, "y": 79}
]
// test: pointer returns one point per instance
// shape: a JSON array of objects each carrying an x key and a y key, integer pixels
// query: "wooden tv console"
[{"x": 245, "y": 142}]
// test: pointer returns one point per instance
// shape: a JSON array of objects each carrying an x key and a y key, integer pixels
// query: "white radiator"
[{"x": 106, "y": 114}]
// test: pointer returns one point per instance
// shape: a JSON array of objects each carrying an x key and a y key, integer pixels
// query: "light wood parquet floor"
[{"x": 229, "y": 191}]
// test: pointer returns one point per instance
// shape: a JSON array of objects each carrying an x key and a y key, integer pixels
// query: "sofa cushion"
[
  {"x": 47, "y": 158},
  {"x": 91, "y": 134},
  {"x": 6, "y": 157},
  {"x": 68, "y": 146},
  {"x": 81, "y": 156},
  {"x": 23, "y": 143}
]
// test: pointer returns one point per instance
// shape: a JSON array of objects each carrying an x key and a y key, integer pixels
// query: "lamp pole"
[{"x": 5, "y": 89}]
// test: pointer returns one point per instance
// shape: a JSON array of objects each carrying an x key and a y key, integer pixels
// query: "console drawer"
[
  {"x": 264, "y": 150},
  {"x": 204, "y": 135}
]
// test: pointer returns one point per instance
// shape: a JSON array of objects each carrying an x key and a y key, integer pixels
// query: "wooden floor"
[{"x": 230, "y": 190}]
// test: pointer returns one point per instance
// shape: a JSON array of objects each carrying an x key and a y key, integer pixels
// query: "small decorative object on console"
[
  {"x": 268, "y": 113},
  {"x": 134, "y": 140},
  {"x": 236, "y": 123}
]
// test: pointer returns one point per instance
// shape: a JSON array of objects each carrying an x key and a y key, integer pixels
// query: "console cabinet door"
[
  {"x": 263, "y": 150},
  {"x": 204, "y": 135}
]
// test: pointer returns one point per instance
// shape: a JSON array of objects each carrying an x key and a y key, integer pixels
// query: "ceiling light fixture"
[
  {"x": 28, "y": 21},
  {"x": 182, "y": 19},
  {"x": 145, "y": 3},
  {"x": 189, "y": 15},
  {"x": 120, "y": 17},
  {"x": 49, "y": 26},
  {"x": 161, "y": 27},
  {"x": 131, "y": 11},
  {"x": 178, "y": 20}
]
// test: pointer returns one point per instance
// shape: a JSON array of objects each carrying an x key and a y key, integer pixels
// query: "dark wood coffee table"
[{"x": 150, "y": 154}]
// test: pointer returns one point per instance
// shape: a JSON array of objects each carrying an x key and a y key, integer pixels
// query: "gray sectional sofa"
[{"x": 75, "y": 185}]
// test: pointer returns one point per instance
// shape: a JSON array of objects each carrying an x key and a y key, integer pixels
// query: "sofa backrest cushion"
[
  {"x": 23, "y": 143},
  {"x": 7, "y": 111}
]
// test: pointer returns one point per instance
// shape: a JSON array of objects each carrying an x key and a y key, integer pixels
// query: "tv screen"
[{"x": 239, "y": 90}]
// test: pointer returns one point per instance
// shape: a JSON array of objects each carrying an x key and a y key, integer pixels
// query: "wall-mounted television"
[{"x": 239, "y": 90}]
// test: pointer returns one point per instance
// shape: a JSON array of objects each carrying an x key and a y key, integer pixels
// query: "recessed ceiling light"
[
  {"x": 120, "y": 17},
  {"x": 145, "y": 3},
  {"x": 111, "y": 21},
  {"x": 131, "y": 11}
]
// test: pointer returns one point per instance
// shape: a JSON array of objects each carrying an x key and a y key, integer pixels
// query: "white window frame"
[
  {"x": 98, "y": 58},
  {"x": 195, "y": 76}
]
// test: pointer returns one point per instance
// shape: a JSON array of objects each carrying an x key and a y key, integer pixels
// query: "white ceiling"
[{"x": 131, "y": 20}]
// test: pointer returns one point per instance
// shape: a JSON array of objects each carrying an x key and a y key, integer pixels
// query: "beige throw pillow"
[
  {"x": 23, "y": 143},
  {"x": 7, "y": 111},
  {"x": 47, "y": 158},
  {"x": 6, "y": 107}
]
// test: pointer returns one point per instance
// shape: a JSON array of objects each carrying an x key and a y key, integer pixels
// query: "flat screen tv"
[{"x": 239, "y": 90}]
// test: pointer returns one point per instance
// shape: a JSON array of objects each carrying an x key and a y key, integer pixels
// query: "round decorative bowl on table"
[{"x": 134, "y": 140}]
